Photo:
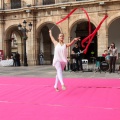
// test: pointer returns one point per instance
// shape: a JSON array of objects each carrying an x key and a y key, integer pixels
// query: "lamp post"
[{"x": 24, "y": 31}]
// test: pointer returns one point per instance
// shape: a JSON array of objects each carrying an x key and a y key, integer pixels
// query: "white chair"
[{"x": 85, "y": 63}]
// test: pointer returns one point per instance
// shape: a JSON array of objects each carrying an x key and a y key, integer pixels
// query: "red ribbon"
[
  {"x": 89, "y": 25},
  {"x": 67, "y": 16},
  {"x": 91, "y": 36}
]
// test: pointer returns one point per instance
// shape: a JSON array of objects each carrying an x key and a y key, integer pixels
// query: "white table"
[{"x": 6, "y": 63}]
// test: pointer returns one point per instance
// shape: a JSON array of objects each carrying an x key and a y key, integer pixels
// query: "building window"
[
  {"x": 15, "y": 4},
  {"x": 47, "y": 2}
]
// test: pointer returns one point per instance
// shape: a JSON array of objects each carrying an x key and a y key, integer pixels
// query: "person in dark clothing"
[
  {"x": 14, "y": 59},
  {"x": 17, "y": 57},
  {"x": 76, "y": 50},
  {"x": 113, "y": 51},
  {"x": 41, "y": 56}
]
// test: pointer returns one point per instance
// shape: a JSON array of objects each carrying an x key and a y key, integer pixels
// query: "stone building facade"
[{"x": 43, "y": 14}]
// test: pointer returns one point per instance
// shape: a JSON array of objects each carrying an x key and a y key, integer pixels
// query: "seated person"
[
  {"x": 76, "y": 50},
  {"x": 106, "y": 55}
]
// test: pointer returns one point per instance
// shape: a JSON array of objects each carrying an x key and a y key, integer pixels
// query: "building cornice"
[{"x": 59, "y": 5}]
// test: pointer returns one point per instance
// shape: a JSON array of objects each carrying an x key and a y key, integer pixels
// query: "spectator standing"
[{"x": 41, "y": 56}]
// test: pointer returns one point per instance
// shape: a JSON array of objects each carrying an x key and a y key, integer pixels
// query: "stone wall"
[{"x": 39, "y": 16}]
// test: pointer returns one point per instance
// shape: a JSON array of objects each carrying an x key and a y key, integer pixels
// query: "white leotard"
[{"x": 60, "y": 54}]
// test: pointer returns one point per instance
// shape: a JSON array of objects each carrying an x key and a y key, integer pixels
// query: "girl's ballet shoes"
[
  {"x": 57, "y": 90},
  {"x": 63, "y": 87}
]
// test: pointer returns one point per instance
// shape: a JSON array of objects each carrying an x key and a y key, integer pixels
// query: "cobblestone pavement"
[{"x": 48, "y": 71}]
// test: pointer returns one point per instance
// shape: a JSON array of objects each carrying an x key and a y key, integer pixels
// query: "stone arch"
[
  {"x": 111, "y": 19},
  {"x": 113, "y": 32},
  {"x": 81, "y": 20},
  {"x": 43, "y": 40},
  {"x": 9, "y": 31},
  {"x": 8, "y": 38},
  {"x": 40, "y": 25},
  {"x": 78, "y": 19}
]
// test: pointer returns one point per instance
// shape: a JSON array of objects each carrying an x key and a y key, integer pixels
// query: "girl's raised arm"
[{"x": 52, "y": 38}]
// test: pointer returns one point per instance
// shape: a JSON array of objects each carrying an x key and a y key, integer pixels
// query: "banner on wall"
[{"x": 1, "y": 55}]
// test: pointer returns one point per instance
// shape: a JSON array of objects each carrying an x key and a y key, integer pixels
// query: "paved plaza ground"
[
  {"x": 30, "y": 95},
  {"x": 48, "y": 71}
]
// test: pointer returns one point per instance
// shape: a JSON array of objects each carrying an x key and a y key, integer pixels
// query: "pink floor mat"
[{"x": 35, "y": 99}]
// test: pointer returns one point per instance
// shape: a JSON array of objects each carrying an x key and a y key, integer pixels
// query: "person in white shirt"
[
  {"x": 60, "y": 57},
  {"x": 113, "y": 56}
]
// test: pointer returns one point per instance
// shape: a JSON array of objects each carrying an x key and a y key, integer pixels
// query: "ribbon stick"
[
  {"x": 93, "y": 34},
  {"x": 52, "y": 27}
]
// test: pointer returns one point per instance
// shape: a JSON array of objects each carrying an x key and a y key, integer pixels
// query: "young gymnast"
[{"x": 60, "y": 57}]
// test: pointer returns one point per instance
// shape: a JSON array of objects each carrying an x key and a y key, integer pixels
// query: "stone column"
[
  {"x": 20, "y": 51},
  {"x": 32, "y": 44},
  {"x": 1, "y": 33},
  {"x": 37, "y": 49},
  {"x": 7, "y": 49},
  {"x": 56, "y": 1},
  {"x": 34, "y": 2},
  {"x": 41, "y": 2},
  {"x": 1, "y": 4},
  {"x": 2, "y": 30},
  {"x": 35, "y": 55},
  {"x": 102, "y": 36}
]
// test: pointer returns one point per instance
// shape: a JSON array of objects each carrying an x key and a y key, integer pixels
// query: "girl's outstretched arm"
[{"x": 73, "y": 41}]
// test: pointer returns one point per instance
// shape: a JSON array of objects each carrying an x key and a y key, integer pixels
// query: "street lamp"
[{"x": 24, "y": 31}]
